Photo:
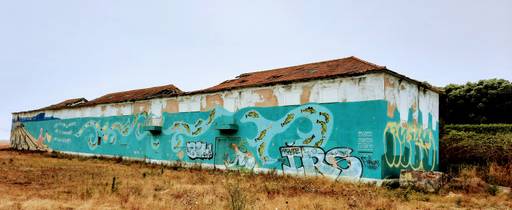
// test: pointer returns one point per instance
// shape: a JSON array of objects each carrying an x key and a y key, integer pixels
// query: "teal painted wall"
[{"x": 351, "y": 139}]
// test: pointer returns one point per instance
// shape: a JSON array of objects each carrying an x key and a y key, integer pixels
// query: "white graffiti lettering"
[
  {"x": 335, "y": 162},
  {"x": 199, "y": 150}
]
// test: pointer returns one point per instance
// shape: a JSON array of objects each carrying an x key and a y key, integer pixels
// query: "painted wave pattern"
[
  {"x": 195, "y": 138},
  {"x": 318, "y": 136}
]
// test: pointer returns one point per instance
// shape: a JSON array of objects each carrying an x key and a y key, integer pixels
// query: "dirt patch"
[{"x": 4, "y": 144}]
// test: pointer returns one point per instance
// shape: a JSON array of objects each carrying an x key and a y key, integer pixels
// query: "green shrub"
[
  {"x": 481, "y": 129},
  {"x": 489, "y": 151},
  {"x": 459, "y": 147}
]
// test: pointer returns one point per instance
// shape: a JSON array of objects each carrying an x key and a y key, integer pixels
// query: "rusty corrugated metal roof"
[
  {"x": 118, "y": 97},
  {"x": 66, "y": 103},
  {"x": 136, "y": 95},
  {"x": 332, "y": 68}
]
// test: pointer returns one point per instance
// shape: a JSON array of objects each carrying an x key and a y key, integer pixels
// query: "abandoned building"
[{"x": 344, "y": 119}]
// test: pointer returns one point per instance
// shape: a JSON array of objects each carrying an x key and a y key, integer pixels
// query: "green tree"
[{"x": 486, "y": 101}]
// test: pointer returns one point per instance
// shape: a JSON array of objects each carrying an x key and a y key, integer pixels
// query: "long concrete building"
[{"x": 344, "y": 119}]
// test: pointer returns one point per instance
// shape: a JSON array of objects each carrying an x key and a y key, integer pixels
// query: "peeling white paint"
[
  {"x": 109, "y": 110},
  {"x": 231, "y": 101},
  {"x": 288, "y": 94},
  {"x": 361, "y": 88},
  {"x": 126, "y": 109},
  {"x": 407, "y": 96},
  {"x": 324, "y": 92},
  {"x": 429, "y": 104},
  {"x": 156, "y": 107},
  {"x": 189, "y": 103},
  {"x": 248, "y": 98},
  {"x": 380, "y": 86}
]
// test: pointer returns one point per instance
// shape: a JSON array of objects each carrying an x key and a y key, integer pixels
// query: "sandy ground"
[
  {"x": 39, "y": 180},
  {"x": 4, "y": 144}
]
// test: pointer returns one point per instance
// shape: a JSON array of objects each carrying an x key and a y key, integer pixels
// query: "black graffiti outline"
[{"x": 370, "y": 163}]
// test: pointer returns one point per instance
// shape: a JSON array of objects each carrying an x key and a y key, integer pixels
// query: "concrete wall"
[{"x": 368, "y": 127}]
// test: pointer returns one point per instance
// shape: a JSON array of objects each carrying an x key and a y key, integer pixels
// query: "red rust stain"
[
  {"x": 140, "y": 107},
  {"x": 171, "y": 106},
  {"x": 388, "y": 82},
  {"x": 391, "y": 109},
  {"x": 267, "y": 97},
  {"x": 212, "y": 101},
  {"x": 306, "y": 94}
]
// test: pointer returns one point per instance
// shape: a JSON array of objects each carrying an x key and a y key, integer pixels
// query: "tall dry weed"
[
  {"x": 237, "y": 197},
  {"x": 500, "y": 175}
]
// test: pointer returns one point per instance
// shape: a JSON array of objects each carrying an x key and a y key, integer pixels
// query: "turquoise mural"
[
  {"x": 410, "y": 145},
  {"x": 339, "y": 140}
]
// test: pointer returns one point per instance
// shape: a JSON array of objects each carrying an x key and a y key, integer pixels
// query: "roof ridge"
[
  {"x": 65, "y": 103},
  {"x": 170, "y": 85},
  {"x": 367, "y": 62},
  {"x": 295, "y": 66}
]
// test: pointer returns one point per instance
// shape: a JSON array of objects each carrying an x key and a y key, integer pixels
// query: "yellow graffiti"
[
  {"x": 187, "y": 128},
  {"x": 262, "y": 134},
  {"x": 309, "y": 110},
  {"x": 412, "y": 137},
  {"x": 180, "y": 125},
  {"x": 324, "y": 126},
  {"x": 309, "y": 139},
  {"x": 178, "y": 144},
  {"x": 197, "y": 131},
  {"x": 320, "y": 142},
  {"x": 288, "y": 119},
  {"x": 326, "y": 116},
  {"x": 211, "y": 116},
  {"x": 198, "y": 123},
  {"x": 261, "y": 150},
  {"x": 252, "y": 114}
]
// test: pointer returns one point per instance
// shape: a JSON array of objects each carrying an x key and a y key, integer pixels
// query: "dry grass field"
[{"x": 52, "y": 181}]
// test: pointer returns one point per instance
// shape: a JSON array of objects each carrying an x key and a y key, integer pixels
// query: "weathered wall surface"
[
  {"x": 411, "y": 136},
  {"x": 359, "y": 127},
  {"x": 332, "y": 90}
]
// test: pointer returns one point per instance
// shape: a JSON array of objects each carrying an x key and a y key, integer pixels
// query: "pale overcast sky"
[{"x": 55, "y": 50}]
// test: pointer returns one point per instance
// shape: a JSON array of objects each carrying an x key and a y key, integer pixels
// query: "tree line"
[{"x": 483, "y": 102}]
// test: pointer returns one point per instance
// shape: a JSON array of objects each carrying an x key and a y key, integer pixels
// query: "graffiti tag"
[
  {"x": 199, "y": 150},
  {"x": 315, "y": 161},
  {"x": 370, "y": 163},
  {"x": 410, "y": 147}
]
